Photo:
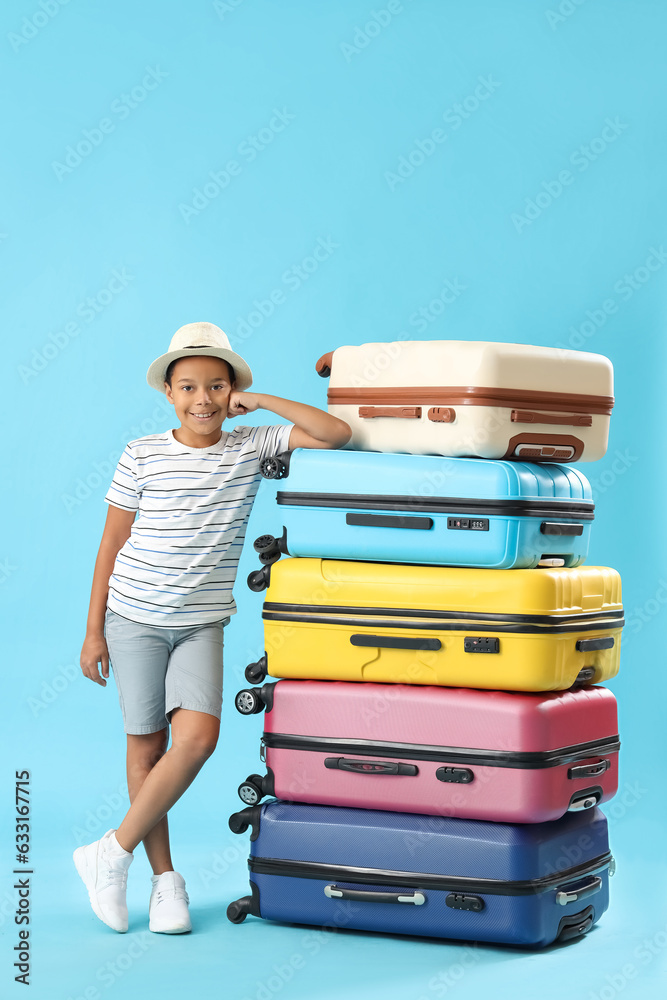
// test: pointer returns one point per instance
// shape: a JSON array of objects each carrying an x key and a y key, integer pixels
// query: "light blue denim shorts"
[{"x": 159, "y": 669}]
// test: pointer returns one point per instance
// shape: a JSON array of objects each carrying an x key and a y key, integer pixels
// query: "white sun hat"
[{"x": 196, "y": 339}]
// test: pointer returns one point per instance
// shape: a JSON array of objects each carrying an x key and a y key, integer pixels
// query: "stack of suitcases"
[{"x": 440, "y": 744}]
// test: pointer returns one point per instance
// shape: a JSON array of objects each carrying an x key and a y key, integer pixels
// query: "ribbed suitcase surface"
[
  {"x": 472, "y": 398},
  {"x": 426, "y": 875},
  {"x": 494, "y": 755},
  {"x": 521, "y": 630}
]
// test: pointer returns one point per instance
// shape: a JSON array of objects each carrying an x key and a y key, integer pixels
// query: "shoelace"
[
  {"x": 163, "y": 894},
  {"x": 115, "y": 876}
]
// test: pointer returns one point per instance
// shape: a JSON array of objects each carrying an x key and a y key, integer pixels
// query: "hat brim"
[{"x": 157, "y": 371}]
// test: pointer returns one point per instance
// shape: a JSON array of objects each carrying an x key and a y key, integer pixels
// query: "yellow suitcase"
[{"x": 515, "y": 630}]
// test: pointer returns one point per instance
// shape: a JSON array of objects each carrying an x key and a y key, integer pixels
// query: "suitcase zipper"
[
  {"x": 490, "y": 616},
  {"x": 580, "y": 510},
  {"x": 446, "y": 620},
  {"x": 441, "y": 754},
  {"x": 459, "y": 395},
  {"x": 383, "y": 876}
]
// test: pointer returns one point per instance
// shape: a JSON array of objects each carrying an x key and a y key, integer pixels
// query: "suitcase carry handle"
[
  {"x": 367, "y": 896},
  {"x": 406, "y": 412},
  {"x": 568, "y": 419},
  {"x": 574, "y": 895},
  {"x": 389, "y": 521},
  {"x": 394, "y": 642},
  {"x": 589, "y": 770},
  {"x": 558, "y": 528},
  {"x": 323, "y": 364},
  {"x": 371, "y": 767},
  {"x": 590, "y": 645}
]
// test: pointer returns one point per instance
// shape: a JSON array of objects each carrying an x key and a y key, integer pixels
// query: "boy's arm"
[
  {"x": 116, "y": 532},
  {"x": 313, "y": 427}
]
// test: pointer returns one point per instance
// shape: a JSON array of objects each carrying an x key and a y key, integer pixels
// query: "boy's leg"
[
  {"x": 143, "y": 753},
  {"x": 193, "y": 739},
  {"x": 139, "y": 657},
  {"x": 193, "y": 701}
]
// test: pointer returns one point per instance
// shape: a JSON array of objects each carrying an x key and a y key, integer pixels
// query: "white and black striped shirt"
[{"x": 178, "y": 566}]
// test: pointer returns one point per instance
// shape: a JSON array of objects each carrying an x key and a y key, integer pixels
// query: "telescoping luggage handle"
[{"x": 368, "y": 896}]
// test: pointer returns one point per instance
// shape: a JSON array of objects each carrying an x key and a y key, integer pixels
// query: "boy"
[{"x": 162, "y": 593}]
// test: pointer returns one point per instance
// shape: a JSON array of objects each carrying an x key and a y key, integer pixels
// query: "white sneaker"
[
  {"x": 103, "y": 867},
  {"x": 168, "y": 907}
]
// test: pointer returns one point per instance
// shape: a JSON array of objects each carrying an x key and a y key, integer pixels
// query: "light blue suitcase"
[{"x": 426, "y": 509}]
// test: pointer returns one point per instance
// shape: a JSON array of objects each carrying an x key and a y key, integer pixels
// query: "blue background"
[{"x": 537, "y": 260}]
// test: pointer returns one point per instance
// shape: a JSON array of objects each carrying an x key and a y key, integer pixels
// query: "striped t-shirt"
[{"x": 178, "y": 566}]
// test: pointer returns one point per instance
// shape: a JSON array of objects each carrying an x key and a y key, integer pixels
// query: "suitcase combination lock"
[
  {"x": 480, "y": 644},
  {"x": 459, "y": 901},
  {"x": 455, "y": 775}
]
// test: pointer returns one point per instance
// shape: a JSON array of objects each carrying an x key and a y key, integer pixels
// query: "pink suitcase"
[{"x": 507, "y": 757}]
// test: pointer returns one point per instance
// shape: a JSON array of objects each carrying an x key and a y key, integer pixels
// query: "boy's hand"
[
  {"x": 94, "y": 651},
  {"x": 242, "y": 402}
]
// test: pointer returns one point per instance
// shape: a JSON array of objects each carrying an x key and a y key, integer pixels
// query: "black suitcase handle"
[
  {"x": 367, "y": 896},
  {"x": 556, "y": 528},
  {"x": 589, "y": 770},
  {"x": 389, "y": 521},
  {"x": 371, "y": 767},
  {"x": 394, "y": 642},
  {"x": 590, "y": 645}
]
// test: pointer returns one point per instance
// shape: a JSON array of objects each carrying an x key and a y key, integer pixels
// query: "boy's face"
[{"x": 200, "y": 390}]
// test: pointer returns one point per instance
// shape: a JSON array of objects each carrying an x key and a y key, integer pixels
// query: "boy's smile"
[{"x": 200, "y": 390}]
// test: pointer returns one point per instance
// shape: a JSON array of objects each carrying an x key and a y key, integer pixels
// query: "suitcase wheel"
[
  {"x": 256, "y": 672},
  {"x": 238, "y": 822},
  {"x": 259, "y": 579},
  {"x": 247, "y": 702},
  {"x": 239, "y": 909},
  {"x": 250, "y": 816},
  {"x": 250, "y": 793},
  {"x": 273, "y": 468},
  {"x": 270, "y": 548}
]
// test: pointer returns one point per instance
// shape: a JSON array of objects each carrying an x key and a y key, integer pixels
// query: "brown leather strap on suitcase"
[
  {"x": 570, "y": 419},
  {"x": 407, "y": 412}
]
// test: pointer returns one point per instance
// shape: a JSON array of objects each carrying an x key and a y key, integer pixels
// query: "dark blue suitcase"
[
  {"x": 432, "y": 876},
  {"x": 480, "y": 513}
]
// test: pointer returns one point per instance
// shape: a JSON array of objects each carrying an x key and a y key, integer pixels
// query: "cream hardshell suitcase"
[{"x": 472, "y": 398}]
